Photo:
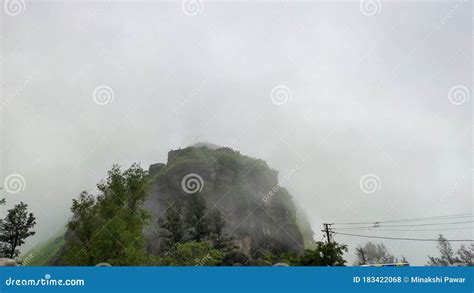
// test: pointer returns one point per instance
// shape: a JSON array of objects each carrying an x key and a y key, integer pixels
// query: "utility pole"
[{"x": 328, "y": 230}]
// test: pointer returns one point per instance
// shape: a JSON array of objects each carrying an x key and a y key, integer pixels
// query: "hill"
[{"x": 258, "y": 214}]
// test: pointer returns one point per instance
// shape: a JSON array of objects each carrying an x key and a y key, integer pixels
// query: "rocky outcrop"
[
  {"x": 259, "y": 214},
  {"x": 6, "y": 262}
]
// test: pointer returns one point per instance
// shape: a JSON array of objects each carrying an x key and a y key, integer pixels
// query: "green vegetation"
[
  {"x": 171, "y": 229},
  {"x": 192, "y": 236},
  {"x": 372, "y": 253},
  {"x": 46, "y": 253},
  {"x": 323, "y": 254},
  {"x": 448, "y": 257},
  {"x": 14, "y": 229},
  {"x": 191, "y": 254},
  {"x": 109, "y": 228}
]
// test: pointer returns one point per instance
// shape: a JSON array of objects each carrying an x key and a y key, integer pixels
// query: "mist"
[{"x": 319, "y": 90}]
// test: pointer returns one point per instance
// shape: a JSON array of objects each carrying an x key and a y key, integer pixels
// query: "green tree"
[
  {"x": 2, "y": 202},
  {"x": 196, "y": 254},
  {"x": 325, "y": 254},
  {"x": 372, "y": 253},
  {"x": 447, "y": 256},
  {"x": 361, "y": 255},
  {"x": 466, "y": 254},
  {"x": 81, "y": 230},
  {"x": 15, "y": 228},
  {"x": 289, "y": 258},
  {"x": 171, "y": 230},
  {"x": 196, "y": 224},
  {"x": 219, "y": 239},
  {"x": 192, "y": 223},
  {"x": 110, "y": 227}
]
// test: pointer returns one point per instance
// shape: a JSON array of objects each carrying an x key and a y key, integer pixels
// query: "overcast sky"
[{"x": 335, "y": 90}]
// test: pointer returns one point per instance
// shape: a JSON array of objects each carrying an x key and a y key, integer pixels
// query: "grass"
[{"x": 45, "y": 252}]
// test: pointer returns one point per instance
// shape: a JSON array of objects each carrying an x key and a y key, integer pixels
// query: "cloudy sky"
[{"x": 369, "y": 101}]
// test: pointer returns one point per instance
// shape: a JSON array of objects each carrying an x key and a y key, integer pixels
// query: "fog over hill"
[{"x": 367, "y": 117}]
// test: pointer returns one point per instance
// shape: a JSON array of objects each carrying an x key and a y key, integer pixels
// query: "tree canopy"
[
  {"x": 464, "y": 255},
  {"x": 15, "y": 228},
  {"x": 372, "y": 253},
  {"x": 109, "y": 227}
]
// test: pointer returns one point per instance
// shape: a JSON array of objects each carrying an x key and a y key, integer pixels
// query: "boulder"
[{"x": 6, "y": 262}]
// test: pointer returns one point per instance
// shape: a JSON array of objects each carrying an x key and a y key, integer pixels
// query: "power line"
[
  {"x": 377, "y": 224},
  {"x": 445, "y": 217},
  {"x": 404, "y": 230},
  {"x": 400, "y": 238}
]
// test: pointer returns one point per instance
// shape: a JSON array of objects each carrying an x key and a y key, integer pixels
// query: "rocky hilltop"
[{"x": 259, "y": 214}]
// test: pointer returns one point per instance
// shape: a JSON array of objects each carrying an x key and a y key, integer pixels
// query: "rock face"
[
  {"x": 6, "y": 262},
  {"x": 258, "y": 213}
]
